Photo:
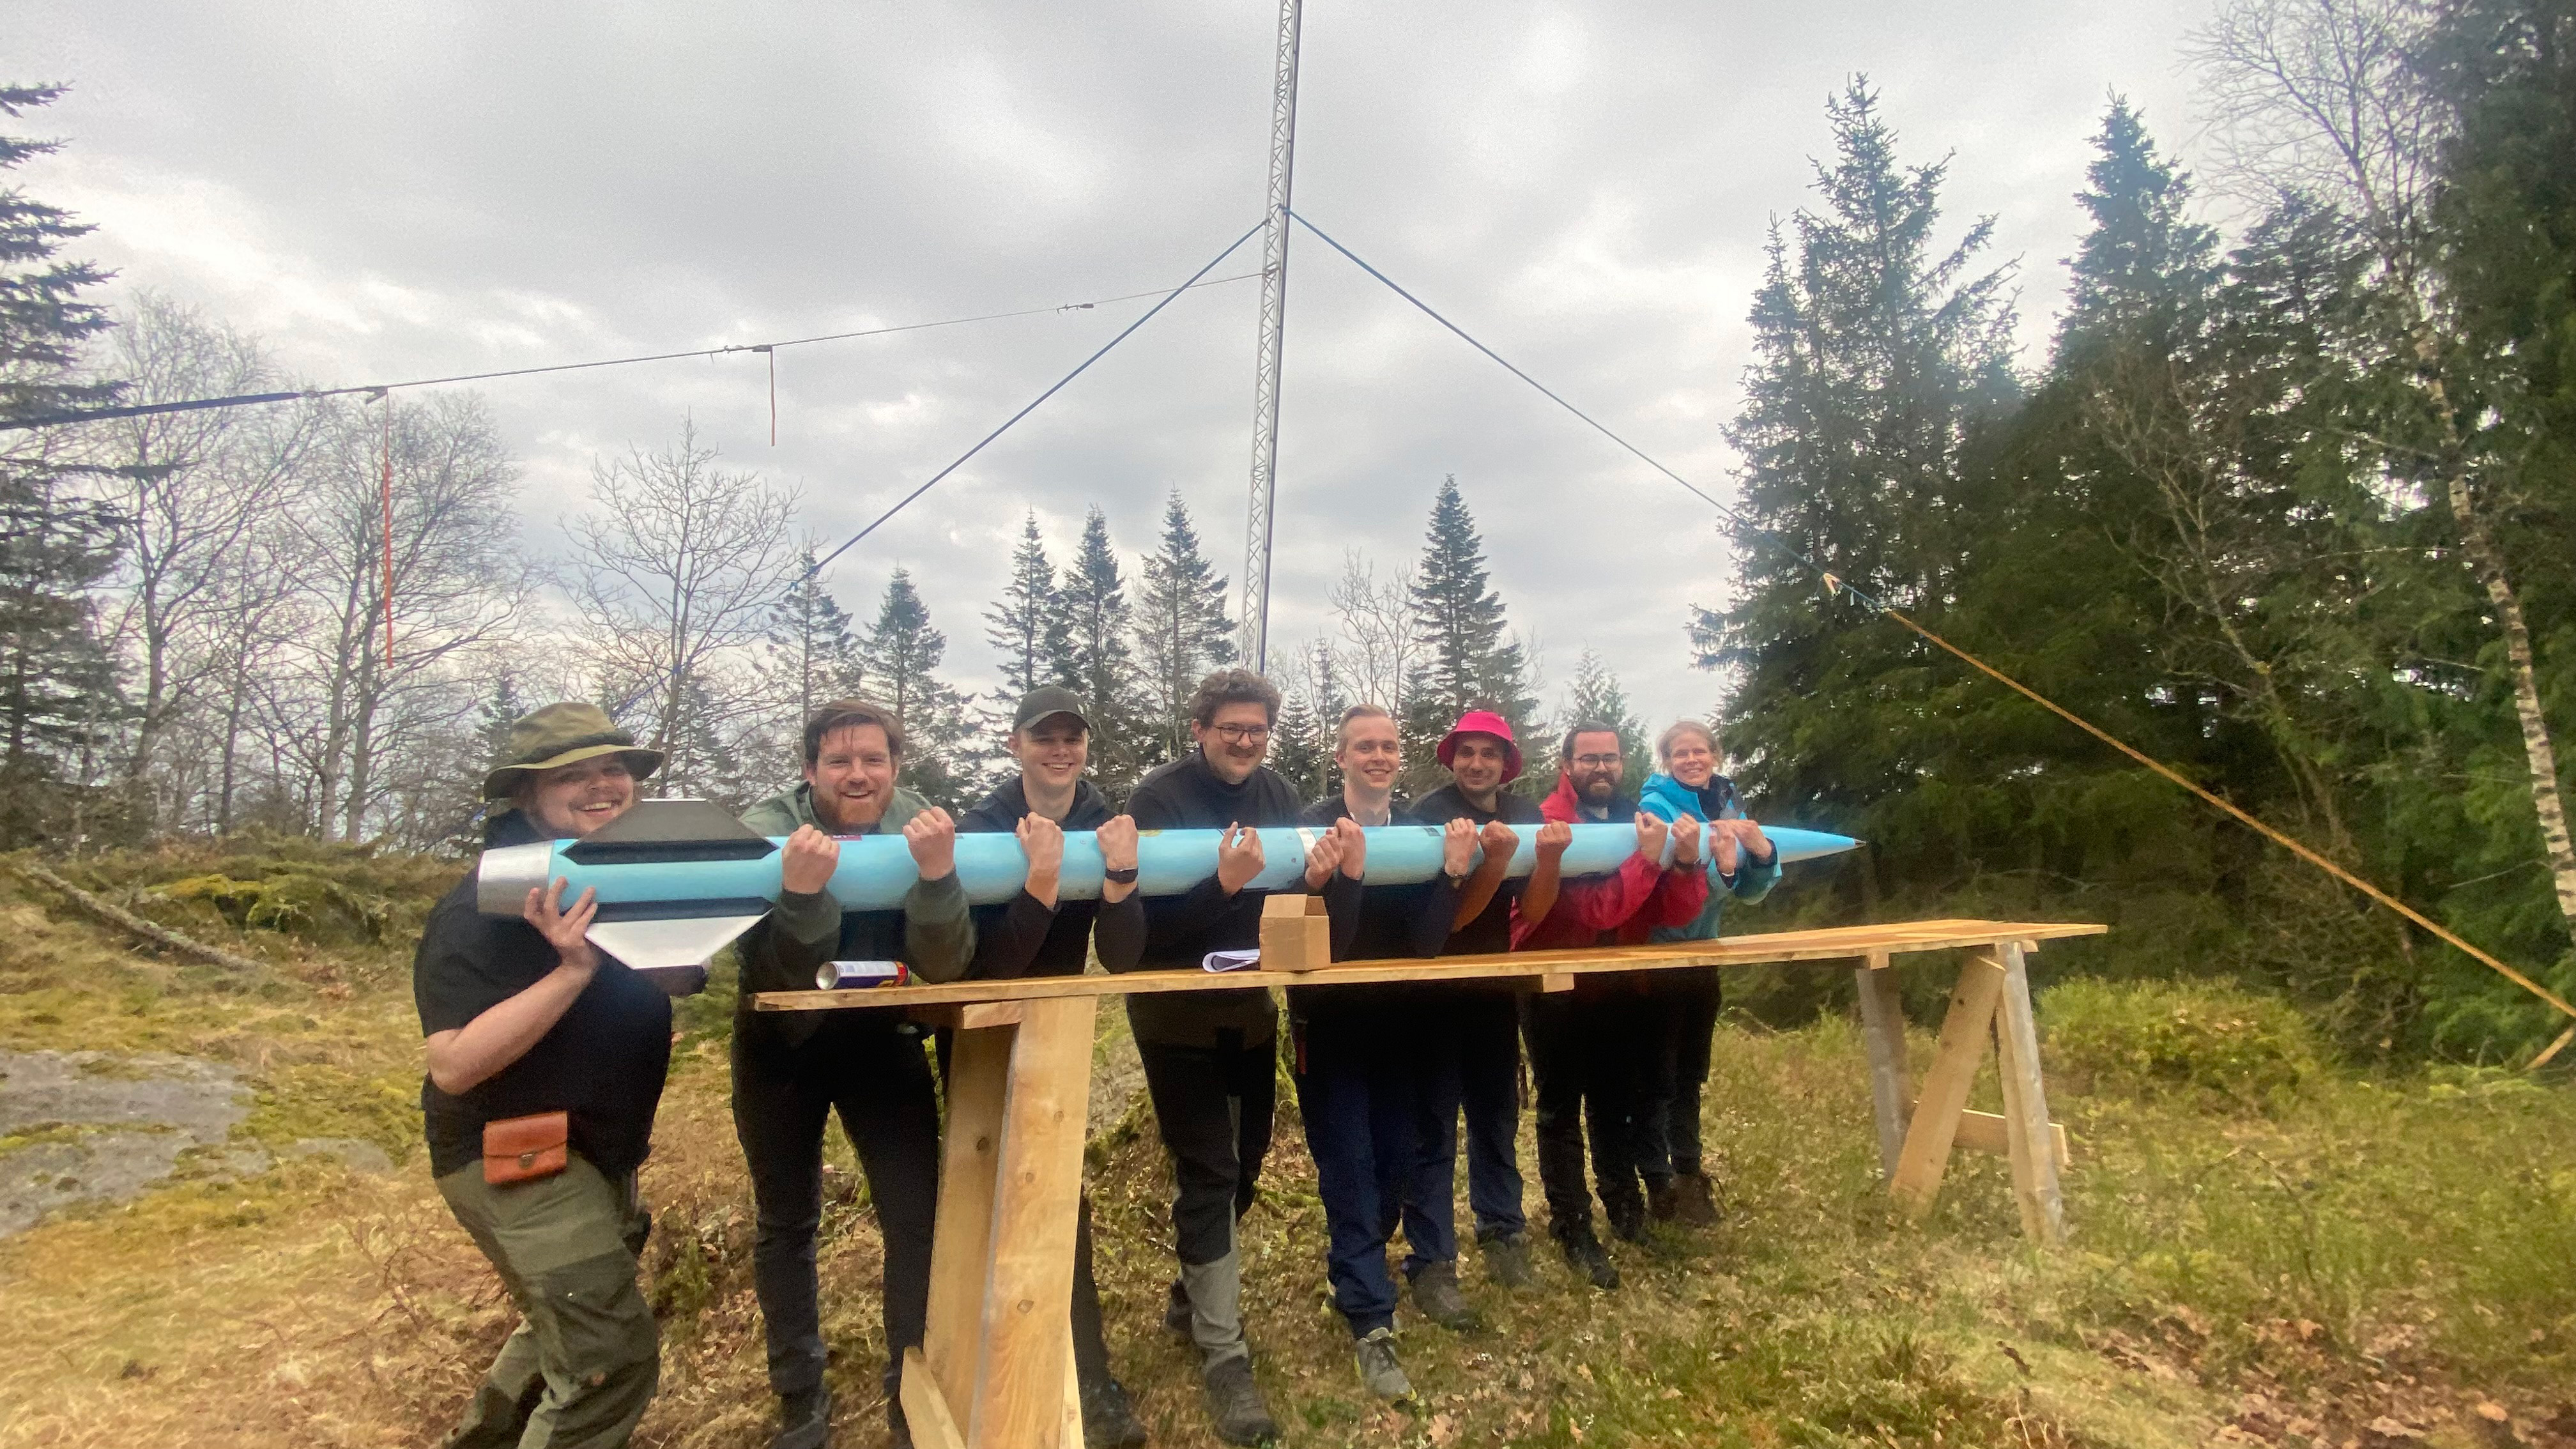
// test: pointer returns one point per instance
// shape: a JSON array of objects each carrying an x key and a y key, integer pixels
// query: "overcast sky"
[{"x": 392, "y": 191}]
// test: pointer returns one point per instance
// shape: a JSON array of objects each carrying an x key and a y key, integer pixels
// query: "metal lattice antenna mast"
[{"x": 1255, "y": 648}]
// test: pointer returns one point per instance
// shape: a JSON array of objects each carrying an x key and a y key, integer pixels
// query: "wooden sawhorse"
[{"x": 995, "y": 1369}]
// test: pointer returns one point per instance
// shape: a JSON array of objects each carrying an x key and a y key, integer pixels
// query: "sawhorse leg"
[
  {"x": 995, "y": 1367},
  {"x": 1991, "y": 999}
]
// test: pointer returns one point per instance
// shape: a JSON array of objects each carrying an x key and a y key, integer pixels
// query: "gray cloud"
[{"x": 402, "y": 192}]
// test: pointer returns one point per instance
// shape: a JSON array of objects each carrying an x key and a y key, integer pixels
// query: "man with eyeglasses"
[
  {"x": 1591, "y": 1049},
  {"x": 1207, "y": 1054}
]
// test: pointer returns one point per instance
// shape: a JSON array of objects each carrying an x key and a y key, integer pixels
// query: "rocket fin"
[{"x": 668, "y": 942}]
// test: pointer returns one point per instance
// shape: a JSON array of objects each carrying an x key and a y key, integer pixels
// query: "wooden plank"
[
  {"x": 1018, "y": 1400},
  {"x": 1071, "y": 1436},
  {"x": 2026, "y": 1126},
  {"x": 925, "y": 1410},
  {"x": 1984, "y": 1132},
  {"x": 1926, "y": 1156},
  {"x": 1839, "y": 943},
  {"x": 1882, "y": 1031},
  {"x": 979, "y": 1073},
  {"x": 967, "y": 1015}
]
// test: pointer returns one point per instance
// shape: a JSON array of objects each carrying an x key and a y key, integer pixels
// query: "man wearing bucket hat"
[
  {"x": 1481, "y": 1046},
  {"x": 546, "y": 1061},
  {"x": 1037, "y": 933},
  {"x": 792, "y": 1070}
]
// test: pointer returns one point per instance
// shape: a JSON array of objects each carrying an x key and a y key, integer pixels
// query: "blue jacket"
[{"x": 1670, "y": 799}]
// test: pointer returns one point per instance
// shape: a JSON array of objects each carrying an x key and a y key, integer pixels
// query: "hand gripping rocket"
[{"x": 679, "y": 879}]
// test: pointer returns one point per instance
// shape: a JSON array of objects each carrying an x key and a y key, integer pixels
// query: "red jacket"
[{"x": 1615, "y": 909}]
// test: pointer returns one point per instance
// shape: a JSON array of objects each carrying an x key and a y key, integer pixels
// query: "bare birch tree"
[
  {"x": 1377, "y": 621},
  {"x": 191, "y": 489},
  {"x": 675, "y": 577}
]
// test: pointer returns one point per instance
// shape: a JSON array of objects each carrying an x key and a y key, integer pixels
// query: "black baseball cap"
[{"x": 1048, "y": 700}]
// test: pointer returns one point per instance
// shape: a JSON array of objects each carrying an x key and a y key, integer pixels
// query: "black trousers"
[
  {"x": 784, "y": 1094},
  {"x": 1477, "y": 1033},
  {"x": 1594, "y": 1059},
  {"x": 1688, "y": 999},
  {"x": 1213, "y": 1106}
]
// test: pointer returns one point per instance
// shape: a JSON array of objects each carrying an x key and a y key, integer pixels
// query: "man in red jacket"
[{"x": 1585, "y": 1045}]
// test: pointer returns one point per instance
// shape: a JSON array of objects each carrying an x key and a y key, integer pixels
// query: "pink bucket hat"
[{"x": 1483, "y": 722}]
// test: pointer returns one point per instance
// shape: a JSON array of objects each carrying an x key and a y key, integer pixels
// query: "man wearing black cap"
[{"x": 1038, "y": 934}]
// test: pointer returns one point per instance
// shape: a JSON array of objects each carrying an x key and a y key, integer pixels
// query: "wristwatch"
[
  {"x": 1120, "y": 877},
  {"x": 1458, "y": 879}
]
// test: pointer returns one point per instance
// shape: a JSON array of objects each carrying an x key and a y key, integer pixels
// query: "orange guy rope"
[{"x": 2275, "y": 836}]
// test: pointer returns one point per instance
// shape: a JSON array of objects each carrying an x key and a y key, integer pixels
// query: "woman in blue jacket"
[{"x": 1742, "y": 866}]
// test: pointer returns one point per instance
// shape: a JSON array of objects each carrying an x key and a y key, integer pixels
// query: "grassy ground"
[{"x": 2261, "y": 1254}]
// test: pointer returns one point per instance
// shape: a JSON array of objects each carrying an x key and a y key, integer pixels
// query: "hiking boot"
[
  {"x": 1176, "y": 1312},
  {"x": 1108, "y": 1419},
  {"x": 1234, "y": 1402},
  {"x": 1378, "y": 1368},
  {"x": 1507, "y": 1260},
  {"x": 1435, "y": 1293},
  {"x": 1664, "y": 1200},
  {"x": 1627, "y": 1215},
  {"x": 804, "y": 1419},
  {"x": 1695, "y": 1200},
  {"x": 1583, "y": 1253}
]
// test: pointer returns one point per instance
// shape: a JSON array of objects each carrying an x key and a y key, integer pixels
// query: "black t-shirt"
[
  {"x": 603, "y": 1063},
  {"x": 1023, "y": 938},
  {"x": 1375, "y": 923},
  {"x": 1180, "y": 930},
  {"x": 1491, "y": 932}
]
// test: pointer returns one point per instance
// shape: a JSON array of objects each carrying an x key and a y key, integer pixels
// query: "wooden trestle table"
[{"x": 995, "y": 1369}]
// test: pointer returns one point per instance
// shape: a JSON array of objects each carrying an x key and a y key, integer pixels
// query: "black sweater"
[
  {"x": 1180, "y": 930},
  {"x": 1023, "y": 937},
  {"x": 1375, "y": 923},
  {"x": 1491, "y": 932}
]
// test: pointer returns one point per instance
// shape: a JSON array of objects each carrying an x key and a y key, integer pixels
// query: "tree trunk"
[{"x": 2537, "y": 750}]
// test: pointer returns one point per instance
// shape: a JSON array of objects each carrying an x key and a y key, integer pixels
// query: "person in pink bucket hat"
[{"x": 1479, "y": 1047}]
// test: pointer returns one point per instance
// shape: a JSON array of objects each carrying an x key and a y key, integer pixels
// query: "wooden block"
[
  {"x": 979, "y": 1069},
  {"x": 1296, "y": 934},
  {"x": 1018, "y": 1400},
  {"x": 925, "y": 1409},
  {"x": 2026, "y": 1126},
  {"x": 1882, "y": 1031},
  {"x": 1928, "y": 1137},
  {"x": 1984, "y": 1132},
  {"x": 1555, "y": 981}
]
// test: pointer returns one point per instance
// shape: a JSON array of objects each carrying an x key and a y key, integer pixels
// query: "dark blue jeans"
[{"x": 1362, "y": 1087}]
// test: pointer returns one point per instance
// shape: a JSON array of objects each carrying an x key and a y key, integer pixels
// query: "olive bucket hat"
[{"x": 560, "y": 734}]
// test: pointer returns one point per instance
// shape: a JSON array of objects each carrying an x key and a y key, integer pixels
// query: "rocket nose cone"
[{"x": 503, "y": 880}]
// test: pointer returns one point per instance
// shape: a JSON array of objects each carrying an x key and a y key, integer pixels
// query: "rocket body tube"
[{"x": 876, "y": 870}]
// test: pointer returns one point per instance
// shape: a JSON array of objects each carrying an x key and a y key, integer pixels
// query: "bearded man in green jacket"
[{"x": 792, "y": 1070}]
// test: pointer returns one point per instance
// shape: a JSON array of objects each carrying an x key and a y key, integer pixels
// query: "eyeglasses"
[
  {"x": 1242, "y": 734},
  {"x": 1596, "y": 762}
]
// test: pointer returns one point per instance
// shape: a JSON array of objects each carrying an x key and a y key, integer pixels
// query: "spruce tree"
[
  {"x": 1469, "y": 659},
  {"x": 1877, "y": 359},
  {"x": 813, "y": 652},
  {"x": 1092, "y": 658},
  {"x": 59, "y": 695},
  {"x": 1595, "y": 697},
  {"x": 1181, "y": 628},
  {"x": 1025, "y": 626},
  {"x": 902, "y": 653}
]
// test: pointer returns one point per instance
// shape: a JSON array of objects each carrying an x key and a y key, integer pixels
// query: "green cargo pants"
[{"x": 581, "y": 1366}]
